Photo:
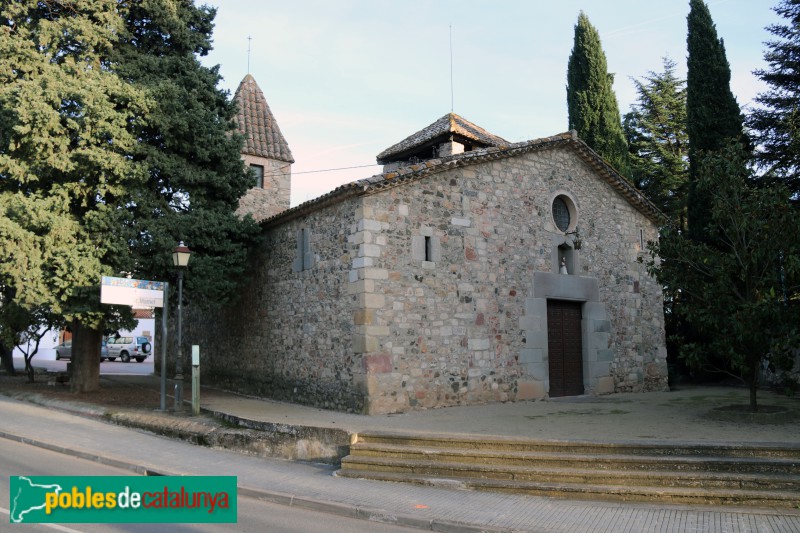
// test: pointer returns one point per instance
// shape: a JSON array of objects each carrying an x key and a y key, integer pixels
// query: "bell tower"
[{"x": 265, "y": 152}]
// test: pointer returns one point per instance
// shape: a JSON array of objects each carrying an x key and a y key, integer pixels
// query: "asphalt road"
[{"x": 253, "y": 515}]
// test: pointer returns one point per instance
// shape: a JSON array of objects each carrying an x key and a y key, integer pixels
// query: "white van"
[{"x": 127, "y": 348}]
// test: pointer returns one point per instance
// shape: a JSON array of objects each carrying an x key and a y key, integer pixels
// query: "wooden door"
[{"x": 564, "y": 347}]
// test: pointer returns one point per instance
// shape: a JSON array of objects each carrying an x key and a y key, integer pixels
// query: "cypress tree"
[
  {"x": 64, "y": 144},
  {"x": 115, "y": 143},
  {"x": 192, "y": 155},
  {"x": 195, "y": 175},
  {"x": 713, "y": 116},
  {"x": 777, "y": 122},
  {"x": 591, "y": 103}
]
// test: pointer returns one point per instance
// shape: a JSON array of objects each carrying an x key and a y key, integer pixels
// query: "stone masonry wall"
[
  {"x": 290, "y": 335},
  {"x": 448, "y": 331},
  {"x": 415, "y": 296},
  {"x": 274, "y": 196}
]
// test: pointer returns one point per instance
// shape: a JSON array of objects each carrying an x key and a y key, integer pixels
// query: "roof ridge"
[
  {"x": 449, "y": 123},
  {"x": 418, "y": 171},
  {"x": 452, "y": 116}
]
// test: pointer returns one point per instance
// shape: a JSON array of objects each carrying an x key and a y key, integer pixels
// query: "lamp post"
[{"x": 180, "y": 259}]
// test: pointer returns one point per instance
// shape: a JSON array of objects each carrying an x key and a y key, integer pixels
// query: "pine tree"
[
  {"x": 655, "y": 129},
  {"x": 777, "y": 123},
  {"x": 713, "y": 116},
  {"x": 591, "y": 103}
]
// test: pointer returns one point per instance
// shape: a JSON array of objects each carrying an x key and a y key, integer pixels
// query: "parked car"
[
  {"x": 127, "y": 348},
  {"x": 64, "y": 351},
  {"x": 144, "y": 344}
]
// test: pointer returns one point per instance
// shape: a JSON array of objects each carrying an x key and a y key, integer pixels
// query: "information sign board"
[{"x": 137, "y": 293}]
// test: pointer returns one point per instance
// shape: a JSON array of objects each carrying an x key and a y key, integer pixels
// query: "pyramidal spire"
[{"x": 262, "y": 136}]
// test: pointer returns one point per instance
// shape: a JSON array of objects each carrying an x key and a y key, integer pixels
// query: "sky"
[{"x": 346, "y": 79}]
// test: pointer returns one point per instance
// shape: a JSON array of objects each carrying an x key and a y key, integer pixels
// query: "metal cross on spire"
[{"x": 249, "y": 41}]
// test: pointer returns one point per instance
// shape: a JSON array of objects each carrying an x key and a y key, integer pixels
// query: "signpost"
[
  {"x": 140, "y": 293},
  {"x": 134, "y": 292},
  {"x": 164, "y": 349},
  {"x": 195, "y": 379}
]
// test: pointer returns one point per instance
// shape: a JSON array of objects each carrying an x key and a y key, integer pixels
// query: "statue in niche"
[{"x": 563, "y": 269}]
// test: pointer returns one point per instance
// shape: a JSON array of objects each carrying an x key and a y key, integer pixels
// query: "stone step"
[
  {"x": 652, "y": 478},
  {"x": 677, "y": 495},
  {"x": 696, "y": 473},
  {"x": 566, "y": 458},
  {"x": 650, "y": 448}
]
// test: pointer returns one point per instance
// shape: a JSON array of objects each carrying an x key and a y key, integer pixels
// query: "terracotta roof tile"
[{"x": 262, "y": 136}]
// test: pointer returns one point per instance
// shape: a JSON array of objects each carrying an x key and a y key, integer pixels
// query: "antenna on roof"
[
  {"x": 249, "y": 40},
  {"x": 451, "y": 68}
]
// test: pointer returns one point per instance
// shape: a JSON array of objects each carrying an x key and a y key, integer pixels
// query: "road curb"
[
  {"x": 88, "y": 456},
  {"x": 367, "y": 513},
  {"x": 291, "y": 500}
]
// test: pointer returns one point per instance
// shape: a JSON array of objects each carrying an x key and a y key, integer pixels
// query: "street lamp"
[{"x": 180, "y": 259}]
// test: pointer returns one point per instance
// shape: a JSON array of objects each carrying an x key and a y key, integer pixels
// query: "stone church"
[{"x": 471, "y": 270}]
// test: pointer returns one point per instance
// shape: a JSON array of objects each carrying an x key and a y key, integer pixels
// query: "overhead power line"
[{"x": 277, "y": 170}]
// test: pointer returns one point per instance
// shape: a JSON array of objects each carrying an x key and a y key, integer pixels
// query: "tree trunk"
[
  {"x": 7, "y": 358},
  {"x": 29, "y": 358},
  {"x": 85, "y": 362},
  {"x": 753, "y": 365},
  {"x": 753, "y": 388},
  {"x": 29, "y": 370}
]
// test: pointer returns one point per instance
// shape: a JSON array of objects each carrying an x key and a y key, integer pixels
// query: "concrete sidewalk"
[
  {"x": 314, "y": 487},
  {"x": 686, "y": 415}
]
